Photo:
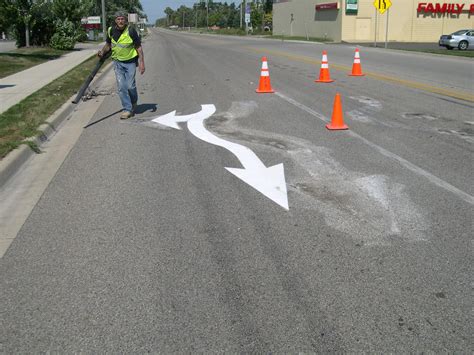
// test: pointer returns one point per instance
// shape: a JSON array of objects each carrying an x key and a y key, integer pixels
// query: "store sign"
[
  {"x": 328, "y": 6},
  {"x": 437, "y": 8},
  {"x": 91, "y": 20},
  {"x": 133, "y": 18},
  {"x": 351, "y": 7}
]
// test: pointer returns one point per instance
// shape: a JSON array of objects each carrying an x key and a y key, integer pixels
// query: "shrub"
[
  {"x": 65, "y": 36},
  {"x": 81, "y": 35}
]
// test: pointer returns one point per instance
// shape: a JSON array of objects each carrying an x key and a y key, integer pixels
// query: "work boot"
[{"x": 125, "y": 115}]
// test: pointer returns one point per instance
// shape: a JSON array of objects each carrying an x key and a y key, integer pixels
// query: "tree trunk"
[{"x": 27, "y": 34}]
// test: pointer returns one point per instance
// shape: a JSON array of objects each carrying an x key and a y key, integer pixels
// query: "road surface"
[{"x": 146, "y": 238}]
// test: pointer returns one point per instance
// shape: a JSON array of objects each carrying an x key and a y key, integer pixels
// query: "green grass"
[
  {"x": 22, "y": 120},
  {"x": 20, "y": 59},
  {"x": 300, "y": 38},
  {"x": 453, "y": 52}
]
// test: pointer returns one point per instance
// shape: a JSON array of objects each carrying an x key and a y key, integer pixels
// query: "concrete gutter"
[{"x": 14, "y": 160}]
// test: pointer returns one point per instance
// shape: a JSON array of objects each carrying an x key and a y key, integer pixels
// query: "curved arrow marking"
[
  {"x": 268, "y": 181},
  {"x": 171, "y": 120}
]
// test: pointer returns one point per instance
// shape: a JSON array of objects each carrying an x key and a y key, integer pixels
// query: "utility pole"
[
  {"x": 246, "y": 23},
  {"x": 207, "y": 14},
  {"x": 183, "y": 19},
  {"x": 241, "y": 4},
  {"x": 104, "y": 25}
]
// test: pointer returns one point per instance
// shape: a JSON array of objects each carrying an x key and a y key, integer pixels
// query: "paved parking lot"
[{"x": 6, "y": 46}]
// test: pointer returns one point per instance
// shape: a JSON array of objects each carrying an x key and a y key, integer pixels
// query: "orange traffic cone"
[
  {"x": 337, "y": 121},
  {"x": 265, "y": 85},
  {"x": 324, "y": 76},
  {"x": 356, "y": 67}
]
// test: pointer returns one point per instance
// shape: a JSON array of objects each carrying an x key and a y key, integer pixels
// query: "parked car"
[{"x": 462, "y": 39}]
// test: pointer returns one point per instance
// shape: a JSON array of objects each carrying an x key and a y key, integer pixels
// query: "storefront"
[{"x": 359, "y": 20}]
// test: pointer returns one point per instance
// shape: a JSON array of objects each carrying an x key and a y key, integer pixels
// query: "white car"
[{"x": 462, "y": 39}]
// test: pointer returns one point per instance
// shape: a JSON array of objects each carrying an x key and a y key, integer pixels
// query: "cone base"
[
  {"x": 335, "y": 128},
  {"x": 271, "y": 91},
  {"x": 323, "y": 81},
  {"x": 356, "y": 74}
]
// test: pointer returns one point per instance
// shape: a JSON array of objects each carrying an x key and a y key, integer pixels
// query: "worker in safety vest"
[{"x": 127, "y": 54}]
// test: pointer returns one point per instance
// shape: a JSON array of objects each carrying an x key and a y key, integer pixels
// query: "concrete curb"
[{"x": 14, "y": 160}]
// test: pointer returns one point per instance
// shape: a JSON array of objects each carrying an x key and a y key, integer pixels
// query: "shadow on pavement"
[
  {"x": 102, "y": 119},
  {"x": 32, "y": 55},
  {"x": 142, "y": 108}
]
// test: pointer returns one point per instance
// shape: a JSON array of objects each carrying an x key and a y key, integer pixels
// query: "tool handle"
[{"x": 90, "y": 77}]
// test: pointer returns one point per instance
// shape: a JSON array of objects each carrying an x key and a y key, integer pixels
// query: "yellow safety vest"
[{"x": 123, "y": 49}]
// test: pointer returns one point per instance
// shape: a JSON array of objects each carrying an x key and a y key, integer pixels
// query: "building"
[{"x": 360, "y": 21}]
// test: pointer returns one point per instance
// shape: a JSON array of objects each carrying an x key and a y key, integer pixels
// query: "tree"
[
  {"x": 169, "y": 13},
  {"x": 31, "y": 20},
  {"x": 5, "y": 16},
  {"x": 71, "y": 10},
  {"x": 218, "y": 13},
  {"x": 268, "y": 6},
  {"x": 65, "y": 35}
]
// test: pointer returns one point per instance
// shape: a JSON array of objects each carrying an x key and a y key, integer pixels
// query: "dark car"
[{"x": 462, "y": 39}]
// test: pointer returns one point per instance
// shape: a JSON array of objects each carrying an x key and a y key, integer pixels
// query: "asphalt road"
[{"x": 143, "y": 241}]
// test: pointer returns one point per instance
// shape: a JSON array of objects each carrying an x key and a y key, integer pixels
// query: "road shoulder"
[{"x": 24, "y": 175}]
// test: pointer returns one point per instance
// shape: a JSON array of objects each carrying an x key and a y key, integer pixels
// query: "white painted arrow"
[
  {"x": 171, "y": 120},
  {"x": 268, "y": 181}
]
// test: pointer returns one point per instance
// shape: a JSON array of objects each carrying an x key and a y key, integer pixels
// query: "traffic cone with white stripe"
[
  {"x": 356, "y": 67},
  {"x": 337, "y": 119},
  {"x": 324, "y": 76},
  {"x": 265, "y": 85}
]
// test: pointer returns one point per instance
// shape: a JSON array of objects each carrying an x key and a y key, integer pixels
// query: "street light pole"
[{"x": 104, "y": 25}]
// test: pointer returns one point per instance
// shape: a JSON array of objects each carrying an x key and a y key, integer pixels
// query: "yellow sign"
[{"x": 382, "y": 5}]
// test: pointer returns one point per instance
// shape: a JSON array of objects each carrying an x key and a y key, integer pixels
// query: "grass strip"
[
  {"x": 15, "y": 61},
  {"x": 258, "y": 33},
  {"x": 22, "y": 120},
  {"x": 300, "y": 38},
  {"x": 454, "y": 52}
]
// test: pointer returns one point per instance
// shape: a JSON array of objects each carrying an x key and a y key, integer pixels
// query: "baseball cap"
[{"x": 121, "y": 14}]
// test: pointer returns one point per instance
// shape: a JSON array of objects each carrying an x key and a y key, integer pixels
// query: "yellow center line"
[{"x": 407, "y": 83}]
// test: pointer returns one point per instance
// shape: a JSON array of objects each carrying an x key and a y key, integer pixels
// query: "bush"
[
  {"x": 82, "y": 35},
  {"x": 65, "y": 36}
]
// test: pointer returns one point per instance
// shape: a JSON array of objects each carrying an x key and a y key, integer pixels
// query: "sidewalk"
[{"x": 17, "y": 87}]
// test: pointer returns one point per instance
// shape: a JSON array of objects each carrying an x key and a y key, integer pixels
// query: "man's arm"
[
  {"x": 138, "y": 46},
  {"x": 104, "y": 50},
  {"x": 141, "y": 60}
]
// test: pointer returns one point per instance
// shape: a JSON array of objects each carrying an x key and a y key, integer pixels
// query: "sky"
[{"x": 154, "y": 8}]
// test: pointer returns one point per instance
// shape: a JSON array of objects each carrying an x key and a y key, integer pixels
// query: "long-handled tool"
[{"x": 90, "y": 77}]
